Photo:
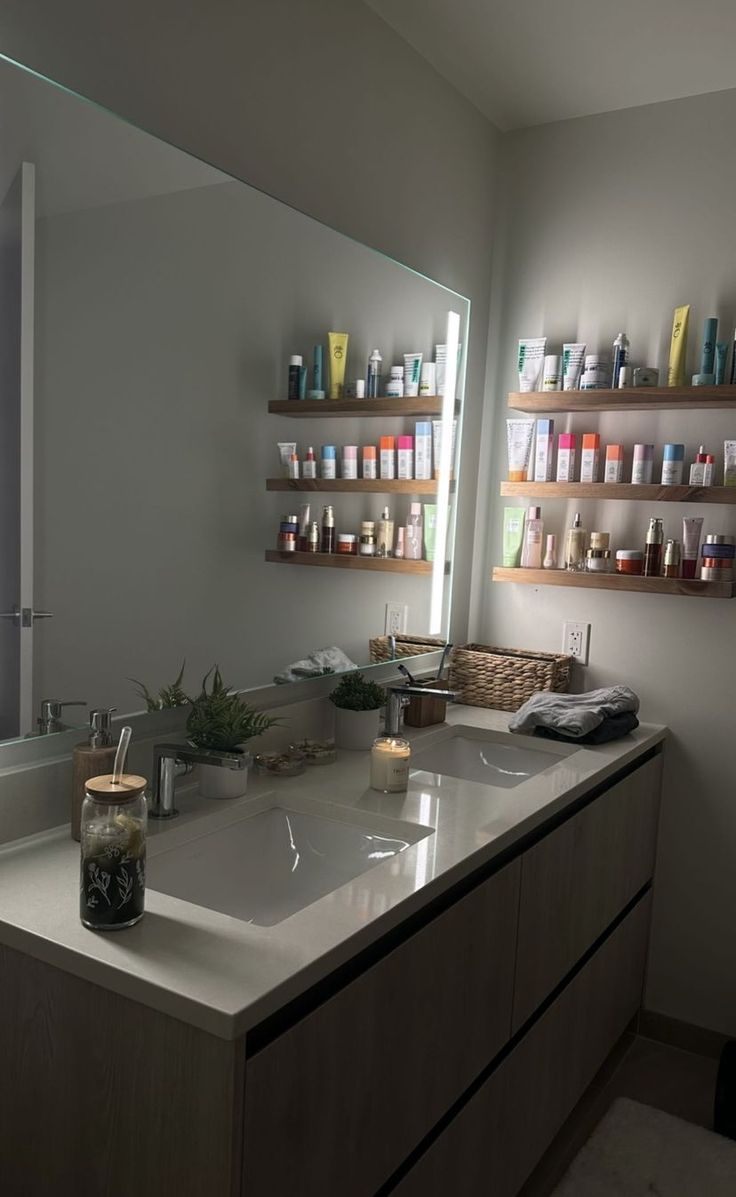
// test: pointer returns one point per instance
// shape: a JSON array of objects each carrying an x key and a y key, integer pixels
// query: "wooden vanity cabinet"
[{"x": 336, "y": 1103}]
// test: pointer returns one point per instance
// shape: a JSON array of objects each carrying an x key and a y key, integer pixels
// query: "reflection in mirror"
[{"x": 152, "y": 307}]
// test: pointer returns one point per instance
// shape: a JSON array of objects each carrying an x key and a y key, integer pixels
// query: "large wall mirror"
[{"x": 151, "y": 305}]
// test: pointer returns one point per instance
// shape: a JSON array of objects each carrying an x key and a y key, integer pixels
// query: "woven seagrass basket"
[
  {"x": 504, "y": 678},
  {"x": 406, "y": 646}
]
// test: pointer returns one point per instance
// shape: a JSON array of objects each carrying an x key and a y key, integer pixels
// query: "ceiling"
[{"x": 528, "y": 62}]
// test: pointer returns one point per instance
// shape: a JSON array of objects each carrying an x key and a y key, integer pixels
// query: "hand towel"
[{"x": 573, "y": 714}]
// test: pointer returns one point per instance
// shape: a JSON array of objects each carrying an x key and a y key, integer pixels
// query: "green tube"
[
  {"x": 513, "y": 536},
  {"x": 430, "y": 530}
]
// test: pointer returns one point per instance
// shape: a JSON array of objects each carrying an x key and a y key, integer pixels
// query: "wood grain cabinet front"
[
  {"x": 498, "y": 1136},
  {"x": 577, "y": 880},
  {"x": 336, "y": 1103}
]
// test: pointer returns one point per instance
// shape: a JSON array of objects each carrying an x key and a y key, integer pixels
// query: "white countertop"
[{"x": 224, "y": 975}]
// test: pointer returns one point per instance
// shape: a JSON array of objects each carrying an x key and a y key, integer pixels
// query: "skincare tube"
[
  {"x": 708, "y": 353},
  {"x": 531, "y": 362},
  {"x": 412, "y": 373},
  {"x": 678, "y": 347},
  {"x": 721, "y": 351},
  {"x": 519, "y": 439},
  {"x": 573, "y": 356},
  {"x": 337, "y": 345},
  {"x": 691, "y": 529},
  {"x": 286, "y": 449},
  {"x": 513, "y": 536},
  {"x": 729, "y": 463},
  {"x": 437, "y": 446},
  {"x": 430, "y": 530}
]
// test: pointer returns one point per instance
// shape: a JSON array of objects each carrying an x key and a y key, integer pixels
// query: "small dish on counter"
[
  {"x": 317, "y": 752},
  {"x": 281, "y": 764}
]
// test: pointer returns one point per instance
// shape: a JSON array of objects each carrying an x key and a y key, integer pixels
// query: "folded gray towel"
[
  {"x": 323, "y": 660},
  {"x": 573, "y": 714}
]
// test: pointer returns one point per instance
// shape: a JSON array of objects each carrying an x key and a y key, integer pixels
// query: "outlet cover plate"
[
  {"x": 576, "y": 641},
  {"x": 397, "y": 615}
]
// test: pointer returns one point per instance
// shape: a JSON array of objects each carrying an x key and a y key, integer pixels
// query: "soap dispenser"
[{"x": 91, "y": 759}]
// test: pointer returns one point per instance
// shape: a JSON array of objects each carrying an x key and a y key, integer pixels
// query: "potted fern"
[
  {"x": 220, "y": 720},
  {"x": 358, "y": 704}
]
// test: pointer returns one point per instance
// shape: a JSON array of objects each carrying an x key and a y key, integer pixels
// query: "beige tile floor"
[{"x": 677, "y": 1081}]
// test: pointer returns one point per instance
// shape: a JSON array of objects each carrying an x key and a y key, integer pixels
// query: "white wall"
[
  {"x": 320, "y": 104},
  {"x": 164, "y": 326},
  {"x": 614, "y": 220}
]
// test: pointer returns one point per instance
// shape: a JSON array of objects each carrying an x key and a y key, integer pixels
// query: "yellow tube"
[
  {"x": 678, "y": 347},
  {"x": 337, "y": 344}
]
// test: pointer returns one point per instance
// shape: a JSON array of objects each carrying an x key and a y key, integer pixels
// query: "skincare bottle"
[
  {"x": 614, "y": 468},
  {"x": 305, "y": 514},
  {"x": 313, "y": 537},
  {"x": 375, "y": 363},
  {"x": 367, "y": 546},
  {"x": 294, "y": 466},
  {"x": 729, "y": 463},
  {"x": 653, "y": 549},
  {"x": 295, "y": 364},
  {"x": 672, "y": 559},
  {"x": 413, "y": 534},
  {"x": 385, "y": 534},
  {"x": 369, "y": 461},
  {"x": 620, "y": 356},
  {"x": 90, "y": 759},
  {"x": 399, "y": 550},
  {"x": 589, "y": 457},
  {"x": 423, "y": 450},
  {"x": 350, "y": 462},
  {"x": 328, "y": 464},
  {"x": 531, "y": 553},
  {"x": 701, "y": 471},
  {"x": 566, "y": 457},
  {"x": 388, "y": 457},
  {"x": 309, "y": 465},
  {"x": 575, "y": 545},
  {"x": 551, "y": 379},
  {"x": 641, "y": 472},
  {"x": 673, "y": 463},
  {"x": 327, "y": 540},
  {"x": 428, "y": 379},
  {"x": 318, "y": 389},
  {"x": 544, "y": 451},
  {"x": 406, "y": 457},
  {"x": 550, "y": 552},
  {"x": 395, "y": 385}
]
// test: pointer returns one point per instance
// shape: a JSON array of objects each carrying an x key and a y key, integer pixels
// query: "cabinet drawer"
[
  {"x": 497, "y": 1139},
  {"x": 577, "y": 879},
  {"x": 337, "y": 1102}
]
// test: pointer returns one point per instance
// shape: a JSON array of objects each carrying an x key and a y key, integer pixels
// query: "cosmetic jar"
[
  {"x": 367, "y": 547},
  {"x": 629, "y": 561},
  {"x": 600, "y": 540},
  {"x": 719, "y": 545},
  {"x": 347, "y": 542},
  {"x": 598, "y": 561},
  {"x": 286, "y": 542}
]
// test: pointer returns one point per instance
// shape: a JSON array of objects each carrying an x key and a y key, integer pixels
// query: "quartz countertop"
[{"x": 224, "y": 975}]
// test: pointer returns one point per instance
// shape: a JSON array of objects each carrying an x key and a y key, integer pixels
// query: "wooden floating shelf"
[
  {"x": 345, "y": 561},
  {"x": 423, "y": 405},
  {"x": 377, "y": 486},
  {"x": 621, "y": 490},
  {"x": 682, "y": 587},
  {"x": 627, "y": 399}
]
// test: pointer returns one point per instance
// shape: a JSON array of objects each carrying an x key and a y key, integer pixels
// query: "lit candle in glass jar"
[{"x": 390, "y": 757}]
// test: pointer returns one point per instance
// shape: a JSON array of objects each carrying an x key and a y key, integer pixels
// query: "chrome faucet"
[
  {"x": 50, "y": 718},
  {"x": 397, "y": 697},
  {"x": 172, "y": 760}
]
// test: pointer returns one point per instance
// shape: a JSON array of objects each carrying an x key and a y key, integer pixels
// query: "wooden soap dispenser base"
[{"x": 91, "y": 759}]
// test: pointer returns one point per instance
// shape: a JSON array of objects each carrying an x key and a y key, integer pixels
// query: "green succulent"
[
  {"x": 354, "y": 693},
  {"x": 167, "y": 697},
  {"x": 220, "y": 719}
]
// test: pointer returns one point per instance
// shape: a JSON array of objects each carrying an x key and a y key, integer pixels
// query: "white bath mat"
[{"x": 636, "y": 1151}]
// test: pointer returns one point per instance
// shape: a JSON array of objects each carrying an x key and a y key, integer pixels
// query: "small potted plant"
[
  {"x": 168, "y": 696},
  {"x": 357, "y": 705},
  {"x": 219, "y": 719}
]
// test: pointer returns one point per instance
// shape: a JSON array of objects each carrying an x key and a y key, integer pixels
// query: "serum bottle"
[
  {"x": 575, "y": 545},
  {"x": 531, "y": 552}
]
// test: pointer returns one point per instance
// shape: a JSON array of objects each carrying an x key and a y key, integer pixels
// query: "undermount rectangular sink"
[
  {"x": 490, "y": 761},
  {"x": 266, "y": 866}
]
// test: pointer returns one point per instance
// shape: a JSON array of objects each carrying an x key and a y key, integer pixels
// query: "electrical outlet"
[
  {"x": 396, "y": 617},
  {"x": 576, "y": 641}
]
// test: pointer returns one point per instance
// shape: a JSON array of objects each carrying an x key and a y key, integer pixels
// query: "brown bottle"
[
  {"x": 92, "y": 759},
  {"x": 653, "y": 549},
  {"x": 327, "y": 544}
]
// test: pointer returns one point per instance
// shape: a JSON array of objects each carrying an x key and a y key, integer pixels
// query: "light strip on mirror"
[{"x": 452, "y": 352}]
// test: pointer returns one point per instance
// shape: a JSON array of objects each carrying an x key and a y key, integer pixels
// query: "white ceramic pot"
[
  {"x": 216, "y": 782},
  {"x": 356, "y": 729}
]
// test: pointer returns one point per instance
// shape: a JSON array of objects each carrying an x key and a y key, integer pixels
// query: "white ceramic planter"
[
  {"x": 356, "y": 729},
  {"x": 216, "y": 782}
]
